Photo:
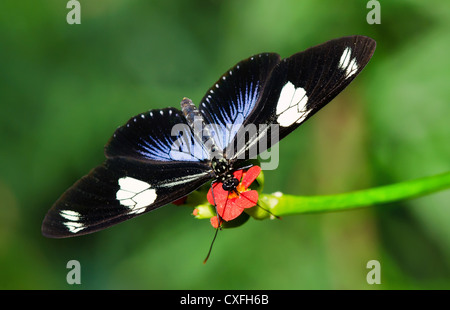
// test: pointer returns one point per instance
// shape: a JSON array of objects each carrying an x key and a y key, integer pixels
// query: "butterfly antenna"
[
  {"x": 218, "y": 223},
  {"x": 211, "y": 246}
]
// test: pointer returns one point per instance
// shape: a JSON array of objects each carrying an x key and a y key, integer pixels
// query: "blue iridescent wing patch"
[
  {"x": 157, "y": 135},
  {"x": 235, "y": 95}
]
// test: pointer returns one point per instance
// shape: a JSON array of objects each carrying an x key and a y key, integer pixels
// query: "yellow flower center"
[{"x": 240, "y": 188}]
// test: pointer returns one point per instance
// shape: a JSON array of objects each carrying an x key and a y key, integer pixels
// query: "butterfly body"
[
  {"x": 219, "y": 165},
  {"x": 162, "y": 155},
  {"x": 222, "y": 169}
]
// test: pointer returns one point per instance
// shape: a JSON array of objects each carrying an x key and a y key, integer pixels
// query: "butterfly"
[{"x": 161, "y": 155}]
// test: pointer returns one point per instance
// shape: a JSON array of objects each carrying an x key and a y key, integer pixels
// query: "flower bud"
[{"x": 204, "y": 211}]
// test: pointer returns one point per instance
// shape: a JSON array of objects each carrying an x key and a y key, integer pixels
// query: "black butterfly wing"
[
  {"x": 302, "y": 84},
  {"x": 143, "y": 171},
  {"x": 118, "y": 190},
  {"x": 288, "y": 91}
]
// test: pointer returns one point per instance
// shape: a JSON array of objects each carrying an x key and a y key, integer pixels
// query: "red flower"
[{"x": 229, "y": 204}]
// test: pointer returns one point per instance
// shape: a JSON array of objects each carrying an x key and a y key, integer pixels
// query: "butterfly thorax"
[{"x": 224, "y": 174}]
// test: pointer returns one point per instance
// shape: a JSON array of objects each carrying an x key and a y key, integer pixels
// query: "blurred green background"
[{"x": 65, "y": 88}]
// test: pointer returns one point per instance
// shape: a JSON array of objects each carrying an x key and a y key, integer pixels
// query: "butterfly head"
[
  {"x": 220, "y": 166},
  {"x": 230, "y": 183}
]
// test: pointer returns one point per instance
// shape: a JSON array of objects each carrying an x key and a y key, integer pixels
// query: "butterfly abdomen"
[{"x": 190, "y": 111}]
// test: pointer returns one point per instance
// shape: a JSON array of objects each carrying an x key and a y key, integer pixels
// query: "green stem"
[{"x": 289, "y": 204}]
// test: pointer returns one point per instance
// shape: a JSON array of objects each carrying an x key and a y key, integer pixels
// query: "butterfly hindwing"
[{"x": 119, "y": 189}]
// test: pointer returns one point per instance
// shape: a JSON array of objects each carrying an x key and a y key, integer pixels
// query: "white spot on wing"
[
  {"x": 70, "y": 215},
  {"x": 132, "y": 185},
  {"x": 345, "y": 58},
  {"x": 135, "y": 194},
  {"x": 122, "y": 194},
  {"x": 74, "y": 227},
  {"x": 352, "y": 68},
  {"x": 127, "y": 202},
  {"x": 73, "y": 224},
  {"x": 347, "y": 63},
  {"x": 145, "y": 198},
  {"x": 291, "y": 106}
]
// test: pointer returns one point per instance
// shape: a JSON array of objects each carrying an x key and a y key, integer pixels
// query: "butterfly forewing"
[
  {"x": 305, "y": 82},
  {"x": 301, "y": 85}
]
